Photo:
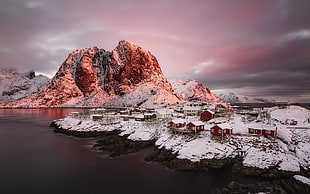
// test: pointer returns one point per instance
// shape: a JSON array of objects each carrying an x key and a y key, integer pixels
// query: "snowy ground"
[
  {"x": 85, "y": 124},
  {"x": 289, "y": 151},
  {"x": 302, "y": 179}
]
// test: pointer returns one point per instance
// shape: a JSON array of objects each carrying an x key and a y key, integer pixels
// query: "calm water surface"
[{"x": 33, "y": 159}]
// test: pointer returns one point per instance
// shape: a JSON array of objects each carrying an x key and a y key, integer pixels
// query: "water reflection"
[{"x": 49, "y": 113}]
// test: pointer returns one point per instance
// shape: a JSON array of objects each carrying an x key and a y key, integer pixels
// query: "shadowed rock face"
[{"x": 93, "y": 75}]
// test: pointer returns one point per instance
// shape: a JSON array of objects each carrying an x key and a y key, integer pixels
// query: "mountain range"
[
  {"x": 126, "y": 76},
  {"x": 234, "y": 98}
]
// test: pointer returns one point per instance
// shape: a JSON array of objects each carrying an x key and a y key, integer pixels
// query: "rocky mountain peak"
[{"x": 134, "y": 65}]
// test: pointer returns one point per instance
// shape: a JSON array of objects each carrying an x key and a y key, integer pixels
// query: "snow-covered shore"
[{"x": 289, "y": 151}]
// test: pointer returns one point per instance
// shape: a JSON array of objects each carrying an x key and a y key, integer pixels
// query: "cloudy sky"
[{"x": 255, "y": 48}]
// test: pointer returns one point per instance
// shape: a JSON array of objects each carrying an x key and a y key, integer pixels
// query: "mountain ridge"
[
  {"x": 93, "y": 76},
  {"x": 126, "y": 76},
  {"x": 234, "y": 98}
]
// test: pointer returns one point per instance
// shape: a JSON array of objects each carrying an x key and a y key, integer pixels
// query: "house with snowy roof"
[
  {"x": 180, "y": 125},
  {"x": 177, "y": 124},
  {"x": 164, "y": 113},
  {"x": 195, "y": 126},
  {"x": 191, "y": 110},
  {"x": 262, "y": 129},
  {"x": 206, "y": 115},
  {"x": 145, "y": 117},
  {"x": 221, "y": 129}
]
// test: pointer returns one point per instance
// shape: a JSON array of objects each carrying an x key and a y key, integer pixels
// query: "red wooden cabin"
[
  {"x": 206, "y": 115},
  {"x": 195, "y": 126},
  {"x": 221, "y": 129},
  {"x": 176, "y": 124},
  {"x": 265, "y": 130}
]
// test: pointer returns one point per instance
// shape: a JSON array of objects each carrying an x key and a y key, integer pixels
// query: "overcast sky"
[{"x": 255, "y": 48}]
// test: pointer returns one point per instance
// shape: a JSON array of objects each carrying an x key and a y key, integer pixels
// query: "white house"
[
  {"x": 164, "y": 113},
  {"x": 191, "y": 110}
]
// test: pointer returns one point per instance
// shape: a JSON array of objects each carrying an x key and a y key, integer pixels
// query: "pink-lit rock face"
[
  {"x": 133, "y": 65},
  {"x": 85, "y": 76}
]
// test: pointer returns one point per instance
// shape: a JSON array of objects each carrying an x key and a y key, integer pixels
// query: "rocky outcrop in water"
[{"x": 108, "y": 141}]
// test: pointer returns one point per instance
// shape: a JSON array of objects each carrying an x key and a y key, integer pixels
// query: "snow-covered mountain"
[
  {"x": 15, "y": 85},
  {"x": 233, "y": 98},
  {"x": 192, "y": 90},
  {"x": 91, "y": 76}
]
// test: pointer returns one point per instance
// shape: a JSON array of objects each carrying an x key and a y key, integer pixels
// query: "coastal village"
[
  {"x": 276, "y": 137},
  {"x": 191, "y": 118}
]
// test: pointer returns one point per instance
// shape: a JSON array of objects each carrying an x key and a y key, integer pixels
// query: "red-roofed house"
[{"x": 206, "y": 115}]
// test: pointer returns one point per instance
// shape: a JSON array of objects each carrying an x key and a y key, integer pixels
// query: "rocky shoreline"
[
  {"x": 276, "y": 181},
  {"x": 116, "y": 145},
  {"x": 170, "y": 159},
  {"x": 81, "y": 134},
  {"x": 108, "y": 141}
]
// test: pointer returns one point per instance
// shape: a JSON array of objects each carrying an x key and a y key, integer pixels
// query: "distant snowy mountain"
[
  {"x": 192, "y": 90},
  {"x": 233, "y": 98},
  {"x": 15, "y": 85},
  {"x": 129, "y": 75}
]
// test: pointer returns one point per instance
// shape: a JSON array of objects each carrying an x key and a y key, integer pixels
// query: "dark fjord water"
[{"x": 33, "y": 159}]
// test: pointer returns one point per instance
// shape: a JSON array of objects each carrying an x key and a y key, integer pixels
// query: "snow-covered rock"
[
  {"x": 233, "y": 98},
  {"x": 193, "y": 90},
  {"x": 15, "y": 85},
  {"x": 302, "y": 179}
]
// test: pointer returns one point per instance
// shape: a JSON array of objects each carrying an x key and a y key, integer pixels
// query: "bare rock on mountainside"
[{"x": 93, "y": 76}]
